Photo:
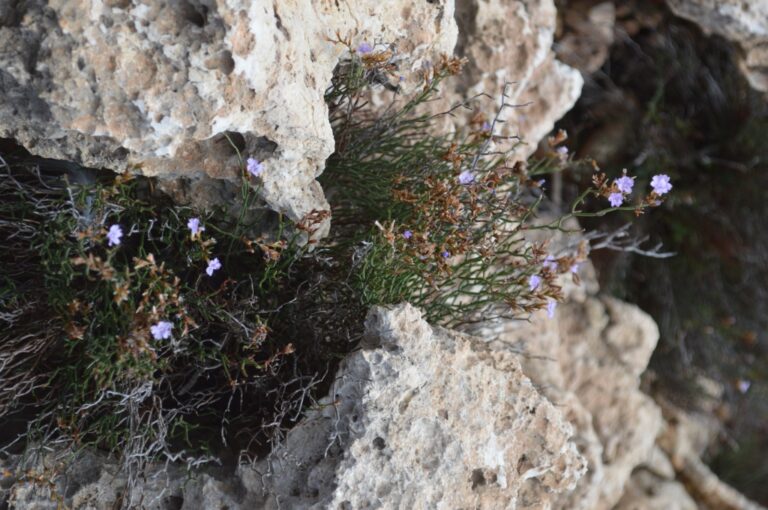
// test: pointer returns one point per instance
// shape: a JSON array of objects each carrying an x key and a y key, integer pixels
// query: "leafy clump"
[
  {"x": 445, "y": 221},
  {"x": 135, "y": 325}
]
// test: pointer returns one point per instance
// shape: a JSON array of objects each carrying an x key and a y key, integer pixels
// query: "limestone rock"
[
  {"x": 743, "y": 22},
  {"x": 588, "y": 35},
  {"x": 428, "y": 419},
  {"x": 510, "y": 42},
  {"x": 587, "y": 360},
  {"x": 156, "y": 87},
  {"x": 646, "y": 491}
]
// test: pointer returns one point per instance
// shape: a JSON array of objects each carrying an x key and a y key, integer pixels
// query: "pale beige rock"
[
  {"x": 684, "y": 438},
  {"x": 429, "y": 419},
  {"x": 510, "y": 42},
  {"x": 744, "y": 22},
  {"x": 587, "y": 360},
  {"x": 588, "y": 35},
  {"x": 646, "y": 491},
  {"x": 153, "y": 86}
]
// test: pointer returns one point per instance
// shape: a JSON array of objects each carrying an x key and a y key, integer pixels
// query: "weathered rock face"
[
  {"x": 154, "y": 86},
  {"x": 743, "y": 22},
  {"x": 168, "y": 88},
  {"x": 588, "y": 362},
  {"x": 510, "y": 42},
  {"x": 435, "y": 419},
  {"x": 423, "y": 417},
  {"x": 587, "y": 34}
]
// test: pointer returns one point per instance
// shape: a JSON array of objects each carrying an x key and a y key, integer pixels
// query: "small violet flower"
[
  {"x": 550, "y": 263},
  {"x": 551, "y": 306},
  {"x": 534, "y": 281},
  {"x": 743, "y": 385},
  {"x": 446, "y": 254},
  {"x": 364, "y": 48},
  {"x": 660, "y": 184},
  {"x": 466, "y": 177},
  {"x": 575, "y": 268},
  {"x": 624, "y": 184},
  {"x": 161, "y": 330},
  {"x": 407, "y": 234},
  {"x": 213, "y": 265},
  {"x": 562, "y": 152},
  {"x": 254, "y": 167},
  {"x": 114, "y": 235},
  {"x": 194, "y": 226},
  {"x": 486, "y": 126},
  {"x": 615, "y": 199}
]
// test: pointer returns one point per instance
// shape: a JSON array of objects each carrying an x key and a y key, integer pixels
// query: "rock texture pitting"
[{"x": 156, "y": 86}]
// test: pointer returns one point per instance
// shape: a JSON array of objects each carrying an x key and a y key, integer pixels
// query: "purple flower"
[
  {"x": 562, "y": 151},
  {"x": 255, "y": 167},
  {"x": 161, "y": 330},
  {"x": 660, "y": 184},
  {"x": 213, "y": 265},
  {"x": 615, "y": 199},
  {"x": 743, "y": 385},
  {"x": 575, "y": 267},
  {"x": 446, "y": 254},
  {"x": 114, "y": 235},
  {"x": 486, "y": 126},
  {"x": 550, "y": 263},
  {"x": 551, "y": 305},
  {"x": 364, "y": 48},
  {"x": 407, "y": 234},
  {"x": 534, "y": 281},
  {"x": 194, "y": 226},
  {"x": 625, "y": 184},
  {"x": 466, "y": 177}
]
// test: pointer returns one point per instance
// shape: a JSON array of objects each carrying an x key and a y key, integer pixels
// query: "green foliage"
[
  {"x": 443, "y": 221},
  {"x": 77, "y": 341}
]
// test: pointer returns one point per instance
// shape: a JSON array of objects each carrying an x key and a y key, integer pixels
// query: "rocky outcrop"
[
  {"x": 423, "y": 417},
  {"x": 588, "y": 361},
  {"x": 177, "y": 89},
  {"x": 743, "y": 22},
  {"x": 510, "y": 42},
  {"x": 529, "y": 415},
  {"x": 156, "y": 87},
  {"x": 420, "y": 417}
]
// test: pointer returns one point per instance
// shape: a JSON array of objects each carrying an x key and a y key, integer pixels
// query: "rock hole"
[
  {"x": 226, "y": 62},
  {"x": 379, "y": 443},
  {"x": 478, "y": 478},
  {"x": 233, "y": 140},
  {"x": 174, "y": 502},
  {"x": 195, "y": 14}
]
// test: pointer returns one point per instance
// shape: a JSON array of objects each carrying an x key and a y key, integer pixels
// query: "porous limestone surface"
[
  {"x": 157, "y": 86},
  {"x": 510, "y": 43},
  {"x": 175, "y": 88},
  {"x": 424, "y": 418}
]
